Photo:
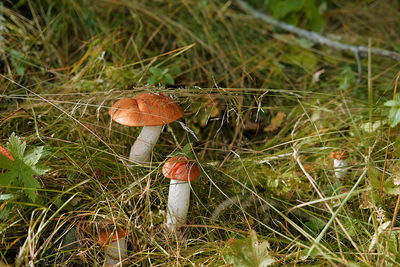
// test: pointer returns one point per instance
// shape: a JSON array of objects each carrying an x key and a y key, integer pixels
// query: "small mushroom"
[
  {"x": 151, "y": 111},
  {"x": 181, "y": 171},
  {"x": 339, "y": 163},
  {"x": 115, "y": 244},
  {"x": 4, "y": 151}
]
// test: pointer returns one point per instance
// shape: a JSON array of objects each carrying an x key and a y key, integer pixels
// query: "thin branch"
[{"x": 315, "y": 37}]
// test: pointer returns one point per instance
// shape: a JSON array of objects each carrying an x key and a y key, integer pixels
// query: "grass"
[{"x": 64, "y": 63}]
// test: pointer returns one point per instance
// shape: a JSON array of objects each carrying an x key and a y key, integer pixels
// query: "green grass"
[{"x": 64, "y": 63}]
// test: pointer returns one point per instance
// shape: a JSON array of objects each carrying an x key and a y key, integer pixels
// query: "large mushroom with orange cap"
[
  {"x": 181, "y": 171},
  {"x": 115, "y": 244},
  {"x": 150, "y": 111}
]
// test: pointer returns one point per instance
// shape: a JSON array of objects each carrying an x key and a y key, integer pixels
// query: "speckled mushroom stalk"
[
  {"x": 181, "y": 171},
  {"x": 150, "y": 111},
  {"x": 340, "y": 163},
  {"x": 115, "y": 247}
]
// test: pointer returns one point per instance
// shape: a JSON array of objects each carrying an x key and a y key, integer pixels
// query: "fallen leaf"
[
  {"x": 252, "y": 126},
  {"x": 275, "y": 122}
]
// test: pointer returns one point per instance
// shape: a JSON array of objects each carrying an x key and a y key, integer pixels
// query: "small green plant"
[
  {"x": 292, "y": 11},
  {"x": 249, "y": 252},
  {"x": 394, "y": 112},
  {"x": 17, "y": 60},
  {"x": 347, "y": 78},
  {"x": 21, "y": 173},
  {"x": 160, "y": 76}
]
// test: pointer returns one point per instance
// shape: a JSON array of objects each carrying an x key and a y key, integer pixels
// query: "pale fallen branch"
[{"x": 315, "y": 37}]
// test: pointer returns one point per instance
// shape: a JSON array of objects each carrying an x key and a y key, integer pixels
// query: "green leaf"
[
  {"x": 16, "y": 146},
  {"x": 315, "y": 225},
  {"x": 20, "y": 70},
  {"x": 315, "y": 20},
  {"x": 292, "y": 18},
  {"x": 270, "y": 4},
  {"x": 30, "y": 184},
  {"x": 283, "y": 8},
  {"x": 303, "y": 58},
  {"x": 394, "y": 112},
  {"x": 5, "y": 162},
  {"x": 152, "y": 80},
  {"x": 6, "y": 211},
  {"x": 187, "y": 150},
  {"x": 69, "y": 242},
  {"x": 168, "y": 79},
  {"x": 40, "y": 169},
  {"x": 33, "y": 156},
  {"x": 396, "y": 119},
  {"x": 165, "y": 71},
  {"x": 312, "y": 254},
  {"x": 347, "y": 78},
  {"x": 175, "y": 70},
  {"x": 7, "y": 178},
  {"x": 155, "y": 71}
]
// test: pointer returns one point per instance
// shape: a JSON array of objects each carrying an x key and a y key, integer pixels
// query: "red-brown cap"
[
  {"x": 6, "y": 153},
  {"x": 146, "y": 109},
  {"x": 341, "y": 155},
  {"x": 181, "y": 168},
  {"x": 105, "y": 237}
]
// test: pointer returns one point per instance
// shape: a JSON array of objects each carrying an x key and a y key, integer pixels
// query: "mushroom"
[
  {"x": 115, "y": 246},
  {"x": 151, "y": 111},
  {"x": 339, "y": 163},
  {"x": 4, "y": 151},
  {"x": 181, "y": 171}
]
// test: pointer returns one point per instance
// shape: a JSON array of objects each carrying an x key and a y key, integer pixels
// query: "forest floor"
[{"x": 263, "y": 112}]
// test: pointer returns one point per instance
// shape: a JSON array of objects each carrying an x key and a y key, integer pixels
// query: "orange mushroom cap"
[
  {"x": 105, "y": 237},
  {"x": 6, "y": 153},
  {"x": 340, "y": 155},
  {"x": 180, "y": 168},
  {"x": 146, "y": 109}
]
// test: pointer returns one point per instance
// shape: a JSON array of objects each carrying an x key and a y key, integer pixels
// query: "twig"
[{"x": 315, "y": 37}]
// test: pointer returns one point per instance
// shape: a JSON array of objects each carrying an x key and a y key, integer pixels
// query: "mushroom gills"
[
  {"x": 178, "y": 204},
  {"x": 143, "y": 146}
]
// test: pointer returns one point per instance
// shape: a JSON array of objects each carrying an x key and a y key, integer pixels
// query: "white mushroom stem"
[
  {"x": 116, "y": 252},
  {"x": 141, "y": 149},
  {"x": 178, "y": 204},
  {"x": 340, "y": 167}
]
